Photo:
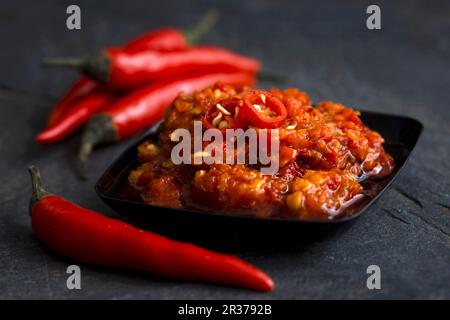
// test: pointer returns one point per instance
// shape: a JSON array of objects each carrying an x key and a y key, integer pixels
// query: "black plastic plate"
[{"x": 401, "y": 135}]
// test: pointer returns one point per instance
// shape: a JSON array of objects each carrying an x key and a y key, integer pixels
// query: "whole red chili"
[
  {"x": 142, "y": 108},
  {"x": 123, "y": 70},
  {"x": 263, "y": 109},
  {"x": 90, "y": 237},
  {"x": 164, "y": 39},
  {"x": 79, "y": 112},
  {"x": 81, "y": 87}
]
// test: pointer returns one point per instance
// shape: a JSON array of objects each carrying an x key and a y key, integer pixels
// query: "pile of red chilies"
[{"x": 126, "y": 90}]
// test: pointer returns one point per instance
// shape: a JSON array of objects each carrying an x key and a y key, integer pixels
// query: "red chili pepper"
[
  {"x": 263, "y": 109},
  {"x": 80, "y": 111},
  {"x": 143, "y": 108},
  {"x": 92, "y": 238},
  {"x": 81, "y": 87},
  {"x": 123, "y": 70},
  {"x": 164, "y": 39},
  {"x": 234, "y": 118}
]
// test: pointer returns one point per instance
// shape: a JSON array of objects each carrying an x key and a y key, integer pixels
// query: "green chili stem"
[
  {"x": 65, "y": 62},
  {"x": 208, "y": 21}
]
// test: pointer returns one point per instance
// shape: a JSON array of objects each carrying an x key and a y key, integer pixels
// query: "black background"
[{"x": 326, "y": 49}]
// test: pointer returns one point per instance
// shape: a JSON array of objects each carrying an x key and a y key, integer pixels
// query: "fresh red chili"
[
  {"x": 263, "y": 109},
  {"x": 79, "y": 112},
  {"x": 83, "y": 86},
  {"x": 164, "y": 39},
  {"x": 123, "y": 70},
  {"x": 90, "y": 237},
  {"x": 143, "y": 108}
]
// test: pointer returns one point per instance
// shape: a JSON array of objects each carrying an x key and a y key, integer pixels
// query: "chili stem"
[
  {"x": 65, "y": 62},
  {"x": 38, "y": 190},
  {"x": 208, "y": 21}
]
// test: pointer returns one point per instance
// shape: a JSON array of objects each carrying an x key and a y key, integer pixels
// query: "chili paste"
[{"x": 325, "y": 154}]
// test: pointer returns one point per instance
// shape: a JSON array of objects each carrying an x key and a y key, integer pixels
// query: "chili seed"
[
  {"x": 217, "y": 119},
  {"x": 263, "y": 98},
  {"x": 257, "y": 107},
  {"x": 223, "y": 110}
]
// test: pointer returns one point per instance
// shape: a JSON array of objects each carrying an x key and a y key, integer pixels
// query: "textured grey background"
[{"x": 326, "y": 49}]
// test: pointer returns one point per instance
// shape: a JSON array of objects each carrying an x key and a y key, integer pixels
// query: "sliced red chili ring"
[
  {"x": 227, "y": 110},
  {"x": 258, "y": 106}
]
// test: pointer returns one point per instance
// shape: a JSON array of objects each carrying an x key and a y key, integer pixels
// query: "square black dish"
[{"x": 400, "y": 133}]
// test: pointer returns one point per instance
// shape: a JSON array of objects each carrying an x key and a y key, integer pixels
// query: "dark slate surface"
[{"x": 327, "y": 50}]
